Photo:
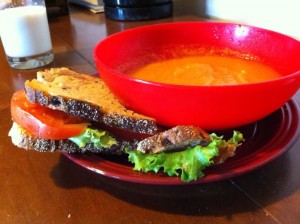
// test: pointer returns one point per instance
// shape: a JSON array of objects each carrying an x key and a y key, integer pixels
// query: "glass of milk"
[{"x": 25, "y": 35}]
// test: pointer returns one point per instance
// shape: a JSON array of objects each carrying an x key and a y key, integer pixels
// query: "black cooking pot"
[{"x": 134, "y": 10}]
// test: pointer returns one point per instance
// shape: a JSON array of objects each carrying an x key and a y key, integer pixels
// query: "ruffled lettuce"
[
  {"x": 99, "y": 138},
  {"x": 189, "y": 163}
]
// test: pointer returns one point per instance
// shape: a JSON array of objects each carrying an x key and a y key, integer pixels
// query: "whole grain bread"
[
  {"x": 24, "y": 140},
  {"x": 174, "y": 139},
  {"x": 85, "y": 96}
]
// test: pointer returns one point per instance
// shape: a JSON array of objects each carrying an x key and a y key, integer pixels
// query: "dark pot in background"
[
  {"x": 57, "y": 7},
  {"x": 137, "y": 10}
]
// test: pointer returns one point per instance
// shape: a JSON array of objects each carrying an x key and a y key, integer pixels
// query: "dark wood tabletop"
[{"x": 49, "y": 188}]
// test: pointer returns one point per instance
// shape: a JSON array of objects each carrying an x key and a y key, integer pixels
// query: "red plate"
[{"x": 266, "y": 140}]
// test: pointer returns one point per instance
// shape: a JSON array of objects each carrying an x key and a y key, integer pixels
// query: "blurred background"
[{"x": 279, "y": 15}]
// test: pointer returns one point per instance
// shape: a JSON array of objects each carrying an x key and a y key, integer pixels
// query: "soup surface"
[{"x": 206, "y": 70}]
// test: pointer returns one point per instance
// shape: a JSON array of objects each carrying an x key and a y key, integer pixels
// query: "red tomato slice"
[{"x": 44, "y": 122}]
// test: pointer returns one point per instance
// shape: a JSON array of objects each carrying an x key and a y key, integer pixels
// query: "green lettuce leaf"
[
  {"x": 99, "y": 138},
  {"x": 188, "y": 163},
  {"x": 235, "y": 140}
]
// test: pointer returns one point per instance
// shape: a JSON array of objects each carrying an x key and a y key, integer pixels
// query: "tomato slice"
[{"x": 44, "y": 122}]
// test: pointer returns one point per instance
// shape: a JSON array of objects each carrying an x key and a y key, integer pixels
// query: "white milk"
[{"x": 24, "y": 31}]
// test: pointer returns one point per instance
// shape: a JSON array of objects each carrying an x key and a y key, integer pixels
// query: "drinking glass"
[{"x": 25, "y": 35}]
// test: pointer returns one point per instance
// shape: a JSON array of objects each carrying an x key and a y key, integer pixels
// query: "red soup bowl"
[{"x": 209, "y": 107}]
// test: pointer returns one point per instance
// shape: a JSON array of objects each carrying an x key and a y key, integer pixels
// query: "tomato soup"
[{"x": 206, "y": 71}]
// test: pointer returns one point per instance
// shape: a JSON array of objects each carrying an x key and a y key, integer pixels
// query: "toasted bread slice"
[
  {"x": 23, "y": 139},
  {"x": 174, "y": 139},
  {"x": 85, "y": 96}
]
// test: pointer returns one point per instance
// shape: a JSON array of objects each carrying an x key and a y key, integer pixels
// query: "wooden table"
[{"x": 49, "y": 188}]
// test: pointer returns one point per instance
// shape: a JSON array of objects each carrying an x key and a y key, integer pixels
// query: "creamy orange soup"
[{"x": 206, "y": 70}]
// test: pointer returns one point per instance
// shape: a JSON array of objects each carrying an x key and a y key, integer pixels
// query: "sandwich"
[{"x": 62, "y": 110}]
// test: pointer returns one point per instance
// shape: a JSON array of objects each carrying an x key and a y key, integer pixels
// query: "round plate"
[{"x": 266, "y": 140}]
